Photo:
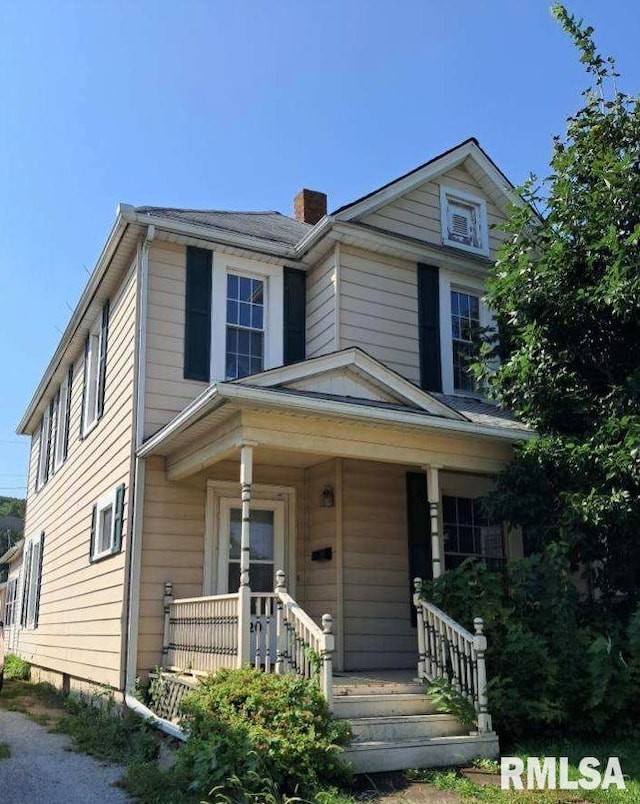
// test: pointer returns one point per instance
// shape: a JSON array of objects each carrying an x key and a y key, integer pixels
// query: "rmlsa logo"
[{"x": 552, "y": 773}]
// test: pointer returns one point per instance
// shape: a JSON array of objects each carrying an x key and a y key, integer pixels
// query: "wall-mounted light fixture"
[{"x": 327, "y": 499}]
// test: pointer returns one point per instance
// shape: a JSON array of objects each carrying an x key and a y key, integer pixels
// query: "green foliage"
[
  {"x": 566, "y": 291},
  {"x": 12, "y": 506},
  {"x": 251, "y": 733},
  {"x": 15, "y": 667},
  {"x": 549, "y": 662},
  {"x": 100, "y": 729},
  {"x": 449, "y": 700},
  {"x": 5, "y": 750}
]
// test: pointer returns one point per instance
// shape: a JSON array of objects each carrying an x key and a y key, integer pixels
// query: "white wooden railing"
[
  {"x": 447, "y": 650},
  {"x": 203, "y": 634},
  {"x": 200, "y": 633}
]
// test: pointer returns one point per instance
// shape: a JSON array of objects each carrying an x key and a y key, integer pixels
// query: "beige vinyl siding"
[
  {"x": 166, "y": 390},
  {"x": 417, "y": 213},
  {"x": 81, "y": 604},
  {"x": 321, "y": 308},
  {"x": 377, "y": 625},
  {"x": 379, "y": 309},
  {"x": 173, "y": 541}
]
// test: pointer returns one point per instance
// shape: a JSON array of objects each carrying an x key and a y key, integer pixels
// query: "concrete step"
[
  {"x": 426, "y": 752},
  {"x": 405, "y": 727},
  {"x": 382, "y": 705},
  {"x": 374, "y": 687}
]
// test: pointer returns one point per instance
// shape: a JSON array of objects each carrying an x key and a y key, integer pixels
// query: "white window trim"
[
  {"x": 448, "y": 194},
  {"x": 108, "y": 499},
  {"x": 448, "y": 282},
  {"x": 43, "y": 448},
  {"x": 273, "y": 324},
  {"x": 92, "y": 377},
  {"x": 35, "y": 581},
  {"x": 62, "y": 424}
]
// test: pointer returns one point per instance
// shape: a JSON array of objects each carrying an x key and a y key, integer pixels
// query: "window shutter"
[
  {"x": 84, "y": 385},
  {"x": 36, "y": 609},
  {"x": 197, "y": 324},
  {"x": 429, "y": 327},
  {"x": 55, "y": 426},
  {"x": 294, "y": 315},
  {"x": 419, "y": 532},
  {"x": 67, "y": 417},
  {"x": 102, "y": 360},
  {"x": 26, "y": 580},
  {"x": 117, "y": 525},
  {"x": 94, "y": 514}
]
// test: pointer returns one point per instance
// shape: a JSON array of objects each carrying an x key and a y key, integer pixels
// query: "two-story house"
[{"x": 239, "y": 393}]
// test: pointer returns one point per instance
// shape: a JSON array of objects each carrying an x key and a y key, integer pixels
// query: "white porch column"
[
  {"x": 433, "y": 496},
  {"x": 244, "y": 592}
]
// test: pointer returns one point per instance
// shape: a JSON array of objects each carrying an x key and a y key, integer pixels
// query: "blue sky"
[{"x": 237, "y": 105}]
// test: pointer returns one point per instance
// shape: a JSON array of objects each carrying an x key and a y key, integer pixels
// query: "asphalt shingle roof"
[
  {"x": 481, "y": 412},
  {"x": 273, "y": 227}
]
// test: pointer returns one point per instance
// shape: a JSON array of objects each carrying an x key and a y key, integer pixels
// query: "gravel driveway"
[{"x": 41, "y": 769}]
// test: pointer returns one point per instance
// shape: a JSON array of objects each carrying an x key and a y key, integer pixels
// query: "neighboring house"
[
  {"x": 10, "y": 595},
  {"x": 323, "y": 357}
]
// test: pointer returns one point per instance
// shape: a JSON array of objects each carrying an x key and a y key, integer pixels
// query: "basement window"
[{"x": 464, "y": 221}]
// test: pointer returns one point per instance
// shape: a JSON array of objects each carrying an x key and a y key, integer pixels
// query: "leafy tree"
[{"x": 566, "y": 290}]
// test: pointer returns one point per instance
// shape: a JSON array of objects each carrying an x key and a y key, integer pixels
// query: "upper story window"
[
  {"x": 465, "y": 328},
  {"x": 63, "y": 408},
  {"x": 44, "y": 449},
  {"x": 464, "y": 221},
  {"x": 245, "y": 326},
  {"x": 95, "y": 367}
]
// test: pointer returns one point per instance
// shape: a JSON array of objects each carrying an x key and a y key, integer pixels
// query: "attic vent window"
[{"x": 464, "y": 221}]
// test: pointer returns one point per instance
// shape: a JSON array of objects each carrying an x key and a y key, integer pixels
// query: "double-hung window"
[
  {"x": 95, "y": 366},
  {"x": 465, "y": 330},
  {"x": 63, "y": 405},
  {"x": 245, "y": 326},
  {"x": 106, "y": 525},
  {"x": 10, "y": 605},
  {"x": 31, "y": 584},
  {"x": 44, "y": 449}
]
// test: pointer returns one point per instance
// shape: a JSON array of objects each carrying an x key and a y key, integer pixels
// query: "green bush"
[
  {"x": 551, "y": 659},
  {"x": 255, "y": 736},
  {"x": 15, "y": 667}
]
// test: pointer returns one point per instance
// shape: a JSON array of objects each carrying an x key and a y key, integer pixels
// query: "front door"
[{"x": 266, "y": 553}]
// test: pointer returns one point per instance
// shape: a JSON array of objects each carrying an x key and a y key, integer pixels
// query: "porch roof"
[{"x": 303, "y": 390}]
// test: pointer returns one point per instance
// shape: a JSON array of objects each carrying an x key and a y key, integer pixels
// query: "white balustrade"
[{"x": 447, "y": 650}]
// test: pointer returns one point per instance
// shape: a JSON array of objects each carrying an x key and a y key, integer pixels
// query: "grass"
[{"x": 5, "y": 750}]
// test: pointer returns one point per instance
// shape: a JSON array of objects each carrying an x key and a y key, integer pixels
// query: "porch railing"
[
  {"x": 447, "y": 650},
  {"x": 202, "y": 635}
]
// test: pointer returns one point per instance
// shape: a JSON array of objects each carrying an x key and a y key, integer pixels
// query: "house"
[{"x": 239, "y": 393}]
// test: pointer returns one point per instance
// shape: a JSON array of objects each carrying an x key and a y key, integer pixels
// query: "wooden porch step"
[
  {"x": 382, "y": 704},
  {"x": 424, "y": 752},
  {"x": 405, "y": 727}
]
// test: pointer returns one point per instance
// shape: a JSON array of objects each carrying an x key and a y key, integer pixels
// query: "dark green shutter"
[
  {"x": 67, "y": 426},
  {"x": 94, "y": 516},
  {"x": 26, "y": 579},
  {"x": 197, "y": 323},
  {"x": 429, "y": 327},
  {"x": 294, "y": 315},
  {"x": 36, "y": 610},
  {"x": 84, "y": 386},
  {"x": 117, "y": 525},
  {"x": 419, "y": 532},
  {"x": 102, "y": 360}
]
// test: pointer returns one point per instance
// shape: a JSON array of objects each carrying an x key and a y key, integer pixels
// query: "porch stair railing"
[
  {"x": 202, "y": 635},
  {"x": 448, "y": 651}
]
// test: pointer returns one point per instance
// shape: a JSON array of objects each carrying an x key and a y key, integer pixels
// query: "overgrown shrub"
[
  {"x": 15, "y": 667},
  {"x": 552, "y": 659},
  {"x": 256, "y": 736}
]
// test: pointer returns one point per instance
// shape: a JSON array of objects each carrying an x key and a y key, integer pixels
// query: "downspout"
[{"x": 133, "y": 586}]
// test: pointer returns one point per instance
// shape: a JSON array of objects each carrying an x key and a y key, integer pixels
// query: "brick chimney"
[{"x": 309, "y": 206}]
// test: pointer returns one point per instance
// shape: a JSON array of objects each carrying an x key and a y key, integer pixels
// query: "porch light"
[{"x": 327, "y": 499}]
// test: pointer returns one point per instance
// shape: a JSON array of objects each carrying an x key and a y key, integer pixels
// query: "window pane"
[
  {"x": 474, "y": 307},
  {"x": 232, "y": 339},
  {"x": 465, "y": 540},
  {"x": 244, "y": 366},
  {"x": 245, "y": 288},
  {"x": 465, "y": 511},
  {"x": 261, "y": 577},
  {"x": 256, "y": 365},
  {"x": 244, "y": 339},
  {"x": 232, "y": 286},
  {"x": 244, "y": 318},
  {"x": 232, "y": 311},
  {"x": 257, "y": 317},
  {"x": 257, "y": 294},
  {"x": 256, "y": 344},
  {"x": 105, "y": 522},
  {"x": 231, "y": 368},
  {"x": 454, "y": 302},
  {"x": 463, "y": 302}
]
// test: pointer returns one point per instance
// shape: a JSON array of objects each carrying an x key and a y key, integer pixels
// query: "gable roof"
[
  {"x": 273, "y": 227},
  {"x": 13, "y": 553},
  {"x": 469, "y": 149}
]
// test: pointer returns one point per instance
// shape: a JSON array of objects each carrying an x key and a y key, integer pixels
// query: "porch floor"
[{"x": 355, "y": 678}]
